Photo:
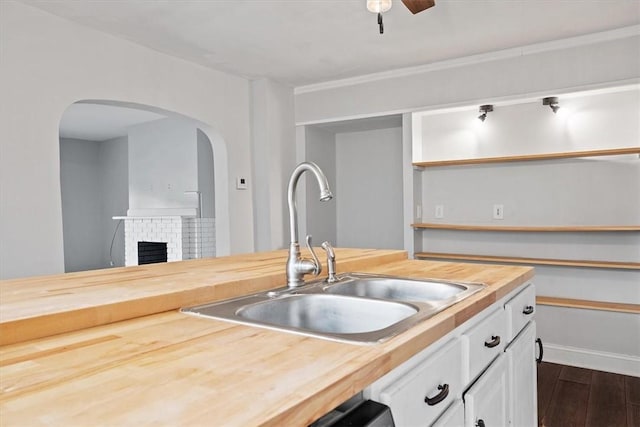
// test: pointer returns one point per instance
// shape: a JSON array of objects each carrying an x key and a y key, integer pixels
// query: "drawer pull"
[
  {"x": 480, "y": 423},
  {"x": 539, "y": 342},
  {"x": 495, "y": 340},
  {"x": 528, "y": 310},
  {"x": 444, "y": 392}
]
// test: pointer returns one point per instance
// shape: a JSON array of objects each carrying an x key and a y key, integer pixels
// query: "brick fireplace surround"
[{"x": 186, "y": 237}]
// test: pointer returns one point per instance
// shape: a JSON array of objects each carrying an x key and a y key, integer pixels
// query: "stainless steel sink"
[
  {"x": 401, "y": 289},
  {"x": 328, "y": 313},
  {"x": 358, "y": 308},
  {"x": 336, "y": 317}
]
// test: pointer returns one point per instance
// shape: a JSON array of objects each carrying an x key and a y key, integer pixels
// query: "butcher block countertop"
[{"x": 108, "y": 347}]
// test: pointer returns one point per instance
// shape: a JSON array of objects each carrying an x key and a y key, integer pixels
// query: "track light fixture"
[
  {"x": 484, "y": 109},
  {"x": 552, "y": 102}
]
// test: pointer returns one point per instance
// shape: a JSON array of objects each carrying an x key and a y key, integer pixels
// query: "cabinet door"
[
  {"x": 486, "y": 401},
  {"x": 522, "y": 379},
  {"x": 452, "y": 417}
]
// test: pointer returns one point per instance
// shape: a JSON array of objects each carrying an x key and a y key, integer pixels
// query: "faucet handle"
[{"x": 316, "y": 261}]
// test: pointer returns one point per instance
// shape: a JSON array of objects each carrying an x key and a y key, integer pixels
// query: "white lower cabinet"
[
  {"x": 485, "y": 403},
  {"x": 523, "y": 411},
  {"x": 491, "y": 356},
  {"x": 452, "y": 417},
  {"x": 423, "y": 393},
  {"x": 483, "y": 342},
  {"x": 520, "y": 310}
]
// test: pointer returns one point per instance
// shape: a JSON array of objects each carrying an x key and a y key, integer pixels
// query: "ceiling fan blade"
[{"x": 416, "y": 6}]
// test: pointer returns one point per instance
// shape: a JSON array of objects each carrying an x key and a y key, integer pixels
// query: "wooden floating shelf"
[
  {"x": 590, "y": 305},
  {"x": 531, "y": 157},
  {"x": 534, "y": 261},
  {"x": 569, "y": 228}
]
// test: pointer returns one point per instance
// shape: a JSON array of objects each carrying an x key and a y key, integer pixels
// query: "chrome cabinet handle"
[
  {"x": 528, "y": 310},
  {"x": 495, "y": 340},
  {"x": 444, "y": 392},
  {"x": 480, "y": 423}
]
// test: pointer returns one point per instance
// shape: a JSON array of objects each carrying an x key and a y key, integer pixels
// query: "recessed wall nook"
[{"x": 552, "y": 182}]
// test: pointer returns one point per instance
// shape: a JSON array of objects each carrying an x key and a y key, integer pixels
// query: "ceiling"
[{"x": 302, "y": 42}]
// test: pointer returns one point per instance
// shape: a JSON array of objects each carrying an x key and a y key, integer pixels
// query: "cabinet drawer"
[
  {"x": 421, "y": 395},
  {"x": 520, "y": 309},
  {"x": 484, "y": 342}
]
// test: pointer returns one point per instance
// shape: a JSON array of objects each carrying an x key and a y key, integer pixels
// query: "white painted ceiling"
[
  {"x": 301, "y": 42},
  {"x": 100, "y": 122}
]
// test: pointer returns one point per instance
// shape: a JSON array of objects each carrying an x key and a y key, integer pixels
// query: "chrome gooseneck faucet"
[{"x": 297, "y": 266}]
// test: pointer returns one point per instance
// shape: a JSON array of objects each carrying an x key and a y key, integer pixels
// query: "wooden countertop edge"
[{"x": 57, "y": 322}]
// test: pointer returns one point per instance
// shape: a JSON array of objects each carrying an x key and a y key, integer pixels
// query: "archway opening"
[{"x": 132, "y": 173}]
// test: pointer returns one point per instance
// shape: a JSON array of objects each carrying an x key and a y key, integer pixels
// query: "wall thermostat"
[{"x": 241, "y": 183}]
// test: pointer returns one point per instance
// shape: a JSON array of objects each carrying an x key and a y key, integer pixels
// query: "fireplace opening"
[{"x": 152, "y": 252}]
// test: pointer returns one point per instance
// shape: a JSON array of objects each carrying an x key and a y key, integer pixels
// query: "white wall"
[
  {"x": 363, "y": 163},
  {"x": 585, "y": 121},
  {"x": 114, "y": 179},
  {"x": 321, "y": 217},
  {"x": 94, "y": 188},
  {"x": 81, "y": 204},
  {"x": 163, "y": 164},
  {"x": 563, "y": 192},
  {"x": 206, "y": 176},
  {"x": 548, "y": 68},
  {"x": 600, "y": 340},
  {"x": 47, "y": 64},
  {"x": 274, "y": 154},
  {"x": 369, "y": 185},
  {"x": 568, "y": 192}
]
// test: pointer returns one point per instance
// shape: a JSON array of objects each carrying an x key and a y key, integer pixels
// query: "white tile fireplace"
[{"x": 187, "y": 237}]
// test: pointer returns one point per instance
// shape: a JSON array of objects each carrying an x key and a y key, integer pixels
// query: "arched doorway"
[{"x": 134, "y": 173}]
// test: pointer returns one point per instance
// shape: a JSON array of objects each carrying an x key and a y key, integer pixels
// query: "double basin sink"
[{"x": 357, "y": 308}]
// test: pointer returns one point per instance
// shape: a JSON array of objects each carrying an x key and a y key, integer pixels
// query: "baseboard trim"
[{"x": 591, "y": 359}]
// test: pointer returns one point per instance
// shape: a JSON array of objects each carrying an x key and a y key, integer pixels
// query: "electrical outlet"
[
  {"x": 439, "y": 211},
  {"x": 241, "y": 183},
  {"x": 498, "y": 211},
  {"x": 419, "y": 212}
]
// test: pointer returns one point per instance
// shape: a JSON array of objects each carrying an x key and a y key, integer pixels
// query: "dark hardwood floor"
[{"x": 569, "y": 396}]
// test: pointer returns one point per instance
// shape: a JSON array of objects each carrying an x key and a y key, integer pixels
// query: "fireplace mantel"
[{"x": 155, "y": 212}]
